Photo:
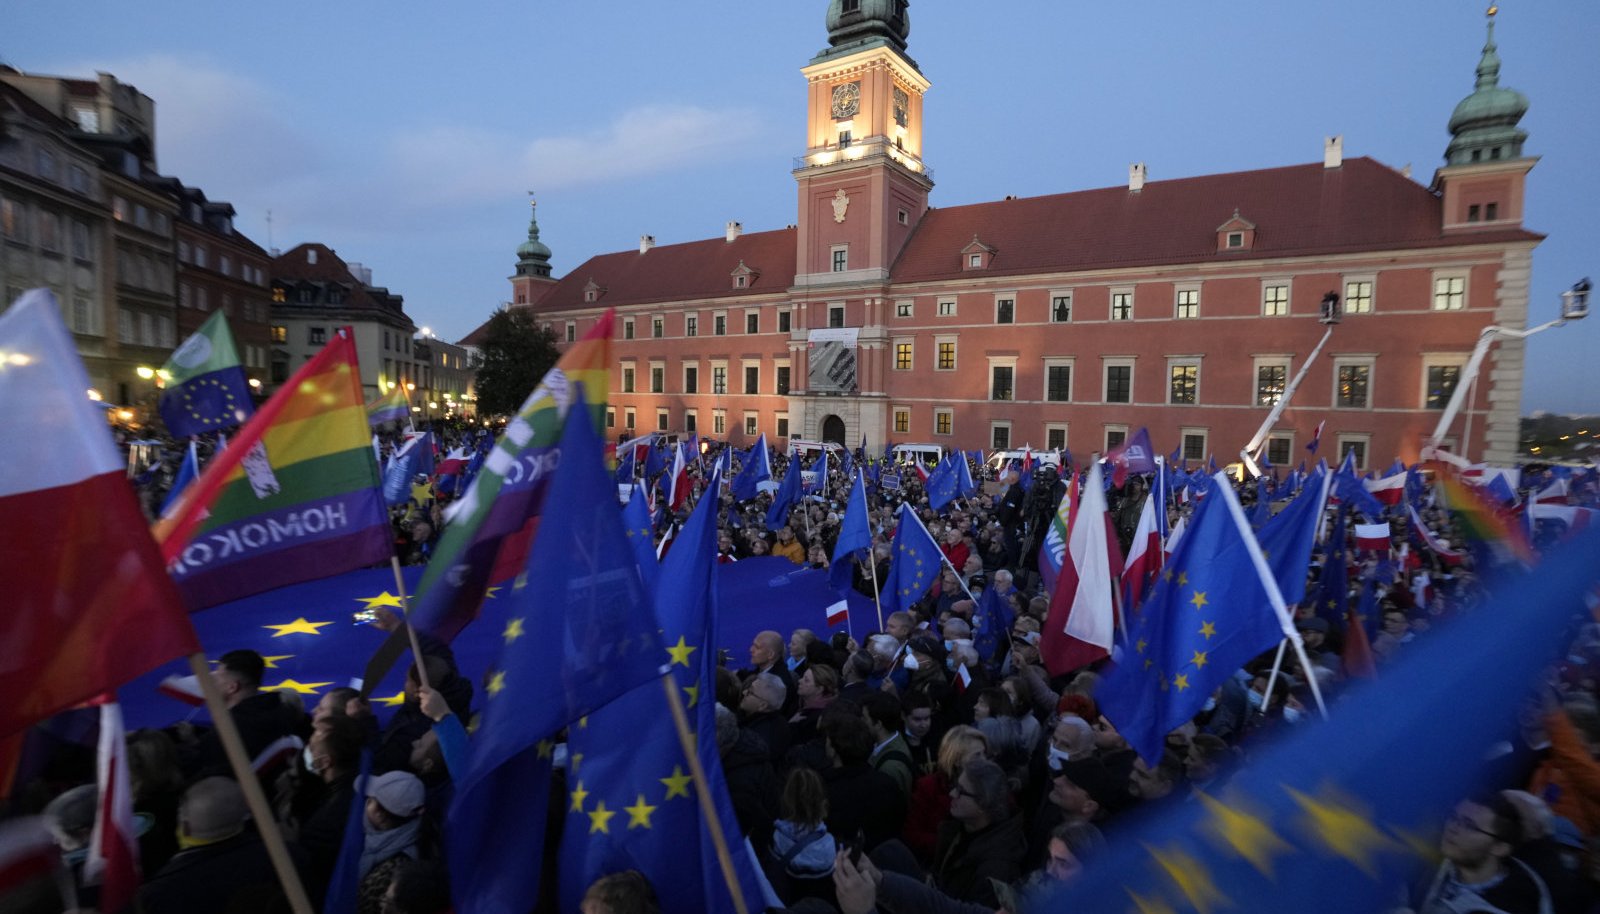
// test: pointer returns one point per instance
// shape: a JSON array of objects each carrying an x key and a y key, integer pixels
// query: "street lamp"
[{"x": 1574, "y": 307}]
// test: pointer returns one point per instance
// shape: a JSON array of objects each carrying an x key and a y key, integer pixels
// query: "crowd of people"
[{"x": 921, "y": 769}]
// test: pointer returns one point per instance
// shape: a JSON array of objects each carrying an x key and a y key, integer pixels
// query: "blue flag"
[
  {"x": 636, "y": 526},
  {"x": 1287, "y": 539},
  {"x": 1262, "y": 512},
  {"x": 991, "y": 621},
  {"x": 585, "y": 633},
  {"x": 187, "y": 471},
  {"x": 1501, "y": 490},
  {"x": 1349, "y": 490},
  {"x": 847, "y": 464},
  {"x": 206, "y": 384},
  {"x": 1333, "y": 586},
  {"x": 914, "y": 563},
  {"x": 756, "y": 468},
  {"x": 854, "y": 537},
  {"x": 626, "y": 467},
  {"x": 1207, "y": 616},
  {"x": 1294, "y": 832},
  {"x": 344, "y": 889},
  {"x": 788, "y": 494},
  {"x": 655, "y": 458},
  {"x": 965, "y": 487},
  {"x": 943, "y": 483},
  {"x": 405, "y": 464},
  {"x": 631, "y": 803}
]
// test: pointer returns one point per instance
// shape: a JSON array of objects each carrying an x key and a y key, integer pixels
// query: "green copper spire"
[
  {"x": 1484, "y": 126},
  {"x": 856, "y": 25},
  {"x": 533, "y": 257}
]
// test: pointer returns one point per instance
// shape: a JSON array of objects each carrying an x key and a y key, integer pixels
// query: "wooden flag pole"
[
  {"x": 872, "y": 566},
  {"x": 416, "y": 645},
  {"x": 254, "y": 796},
  {"x": 708, "y": 808}
]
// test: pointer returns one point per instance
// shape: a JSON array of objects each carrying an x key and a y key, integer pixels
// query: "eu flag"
[
  {"x": 754, "y": 469},
  {"x": 854, "y": 536},
  {"x": 636, "y": 527},
  {"x": 943, "y": 483},
  {"x": 1341, "y": 814},
  {"x": 206, "y": 387},
  {"x": 1208, "y": 614},
  {"x": 1287, "y": 538},
  {"x": 1333, "y": 587},
  {"x": 914, "y": 563},
  {"x": 787, "y": 495},
  {"x": 631, "y": 803},
  {"x": 581, "y": 634}
]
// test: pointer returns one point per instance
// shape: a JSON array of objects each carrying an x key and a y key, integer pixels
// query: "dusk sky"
[{"x": 406, "y": 136}]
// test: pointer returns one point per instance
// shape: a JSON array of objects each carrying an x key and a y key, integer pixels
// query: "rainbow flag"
[
  {"x": 490, "y": 528},
  {"x": 391, "y": 407},
  {"x": 1481, "y": 521},
  {"x": 295, "y": 496}
]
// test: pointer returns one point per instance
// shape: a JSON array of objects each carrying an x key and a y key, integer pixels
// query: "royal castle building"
[{"x": 1070, "y": 320}]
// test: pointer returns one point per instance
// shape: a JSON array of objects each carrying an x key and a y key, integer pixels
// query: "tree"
[{"x": 516, "y": 354}]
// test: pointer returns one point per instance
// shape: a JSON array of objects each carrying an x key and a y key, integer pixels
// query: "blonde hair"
[{"x": 957, "y": 746}]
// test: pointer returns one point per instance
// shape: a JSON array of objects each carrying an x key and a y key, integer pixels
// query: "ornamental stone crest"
[{"x": 841, "y": 202}]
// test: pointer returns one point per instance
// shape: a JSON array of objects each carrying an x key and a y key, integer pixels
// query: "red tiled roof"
[
  {"x": 1297, "y": 210},
  {"x": 674, "y": 272},
  {"x": 291, "y": 267}
]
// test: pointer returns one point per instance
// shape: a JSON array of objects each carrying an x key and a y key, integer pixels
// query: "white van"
[
  {"x": 926, "y": 454},
  {"x": 999, "y": 460}
]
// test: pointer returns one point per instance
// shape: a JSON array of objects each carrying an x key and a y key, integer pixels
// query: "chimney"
[
  {"x": 1333, "y": 152},
  {"x": 646, "y": 242},
  {"x": 1136, "y": 176},
  {"x": 735, "y": 229},
  {"x": 1406, "y": 171}
]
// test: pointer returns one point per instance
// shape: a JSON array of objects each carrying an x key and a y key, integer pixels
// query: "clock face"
[
  {"x": 846, "y": 99},
  {"x": 902, "y": 106}
]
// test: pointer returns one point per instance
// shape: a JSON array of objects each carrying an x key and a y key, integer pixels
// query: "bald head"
[
  {"x": 213, "y": 809},
  {"x": 765, "y": 649}
]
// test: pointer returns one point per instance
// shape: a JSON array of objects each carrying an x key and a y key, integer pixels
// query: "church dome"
[
  {"x": 862, "y": 23},
  {"x": 1484, "y": 124}
]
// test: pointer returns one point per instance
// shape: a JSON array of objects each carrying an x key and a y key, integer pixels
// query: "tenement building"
[{"x": 1070, "y": 320}]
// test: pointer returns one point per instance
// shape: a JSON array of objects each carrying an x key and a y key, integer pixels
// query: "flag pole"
[
  {"x": 416, "y": 645},
  {"x": 254, "y": 797},
  {"x": 1272, "y": 677},
  {"x": 872, "y": 566},
  {"x": 708, "y": 809}
]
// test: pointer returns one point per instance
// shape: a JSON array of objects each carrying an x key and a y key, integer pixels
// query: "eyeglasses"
[{"x": 1462, "y": 820}]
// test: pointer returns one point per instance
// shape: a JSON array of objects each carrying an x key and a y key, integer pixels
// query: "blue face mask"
[
  {"x": 948, "y": 644},
  {"x": 1293, "y": 715},
  {"x": 1255, "y": 698},
  {"x": 793, "y": 662}
]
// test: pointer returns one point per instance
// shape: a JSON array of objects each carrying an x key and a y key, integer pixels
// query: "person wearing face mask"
[{"x": 333, "y": 757}]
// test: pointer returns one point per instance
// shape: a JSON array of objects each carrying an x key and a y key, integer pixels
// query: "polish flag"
[
  {"x": 1083, "y": 610},
  {"x": 1445, "y": 553},
  {"x": 839, "y": 614},
  {"x": 1173, "y": 537},
  {"x": 1373, "y": 537},
  {"x": 1553, "y": 494},
  {"x": 1389, "y": 490},
  {"x": 678, "y": 487},
  {"x": 1316, "y": 437},
  {"x": 113, "y": 860},
  {"x": 184, "y": 688},
  {"x": 963, "y": 678},
  {"x": 1145, "y": 556},
  {"x": 89, "y": 605},
  {"x": 1574, "y": 517}
]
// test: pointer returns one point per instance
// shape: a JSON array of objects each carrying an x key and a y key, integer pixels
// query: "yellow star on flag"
[
  {"x": 497, "y": 683},
  {"x": 694, "y": 695},
  {"x": 1140, "y": 645},
  {"x": 513, "y": 630},
  {"x": 298, "y": 627},
  {"x": 1248, "y": 836},
  {"x": 600, "y": 818},
  {"x": 1149, "y": 905},
  {"x": 1190, "y": 877},
  {"x": 272, "y": 662},
  {"x": 546, "y": 748},
  {"x": 576, "y": 760},
  {"x": 639, "y": 813},
  {"x": 1183, "y": 579},
  {"x": 1181, "y": 681},
  {"x": 1199, "y": 599},
  {"x": 578, "y": 796},
  {"x": 680, "y": 652},
  {"x": 383, "y": 599},
  {"x": 1208, "y": 629},
  {"x": 1345, "y": 832},
  {"x": 489, "y": 594},
  {"x": 395, "y": 700},
  {"x": 1199, "y": 660},
  {"x": 303, "y": 688},
  {"x": 678, "y": 783}
]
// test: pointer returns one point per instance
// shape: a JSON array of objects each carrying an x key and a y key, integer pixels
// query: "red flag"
[
  {"x": 963, "y": 678},
  {"x": 89, "y": 605},
  {"x": 678, "y": 489},
  {"x": 113, "y": 860},
  {"x": 1082, "y": 619},
  {"x": 1389, "y": 490},
  {"x": 1145, "y": 556}
]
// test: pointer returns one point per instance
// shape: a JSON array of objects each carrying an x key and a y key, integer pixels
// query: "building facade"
[
  {"x": 315, "y": 292},
  {"x": 1070, "y": 320},
  {"x": 220, "y": 269}
]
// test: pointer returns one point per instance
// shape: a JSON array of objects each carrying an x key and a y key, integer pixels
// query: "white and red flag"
[
  {"x": 113, "y": 860},
  {"x": 1373, "y": 537},
  {"x": 678, "y": 486},
  {"x": 1390, "y": 490},
  {"x": 1083, "y": 610},
  {"x": 1145, "y": 555}
]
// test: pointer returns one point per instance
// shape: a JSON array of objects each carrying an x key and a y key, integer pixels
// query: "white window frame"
[
  {"x": 719, "y": 422},
  {"x": 752, "y": 423},
  {"x": 1286, "y": 362},
  {"x": 1362, "y": 438},
  {"x": 947, "y": 307},
  {"x": 1065, "y": 428},
  {"x": 1439, "y": 360},
  {"x": 1372, "y": 293},
  {"x": 722, "y": 317},
  {"x": 691, "y": 324},
  {"x": 1067, "y": 362},
  {"x": 628, "y": 368},
  {"x": 1288, "y": 296},
  {"x": 1445, "y": 275},
  {"x": 780, "y": 425},
  {"x": 1005, "y": 296},
  {"x": 572, "y": 331},
  {"x": 1367, "y": 361},
  {"x": 744, "y": 370},
  {"x": 663, "y": 419},
  {"x": 658, "y": 326},
  {"x": 683, "y": 377},
  {"x": 1058, "y": 294},
  {"x": 653, "y": 365},
  {"x": 1183, "y": 361},
  {"x": 974, "y": 261},
  {"x": 1235, "y": 240},
  {"x": 955, "y": 361},
  {"x": 997, "y": 424},
  {"x": 1111, "y": 303},
  {"x": 628, "y": 332},
  {"x": 894, "y": 353},
  {"x": 1105, "y": 434},
  {"x": 691, "y": 420},
  {"x": 894, "y": 420},
  {"x": 1108, "y": 362},
  {"x": 749, "y": 313},
  {"x": 1178, "y": 293},
  {"x": 777, "y": 364},
  {"x": 1287, "y": 437},
  {"x": 1205, "y": 438},
  {"x": 844, "y": 313},
  {"x": 1003, "y": 361},
  {"x": 905, "y": 307},
  {"x": 951, "y": 415},
  {"x": 722, "y": 364},
  {"x": 630, "y": 417},
  {"x": 833, "y": 258}
]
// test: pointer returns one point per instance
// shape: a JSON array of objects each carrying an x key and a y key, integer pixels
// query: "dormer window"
[
  {"x": 743, "y": 276},
  {"x": 592, "y": 291},
  {"x": 1236, "y": 239},
  {"x": 976, "y": 255},
  {"x": 739, "y": 282},
  {"x": 1237, "y": 234},
  {"x": 975, "y": 260}
]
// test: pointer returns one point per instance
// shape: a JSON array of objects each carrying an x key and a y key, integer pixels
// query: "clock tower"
[{"x": 863, "y": 185}]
